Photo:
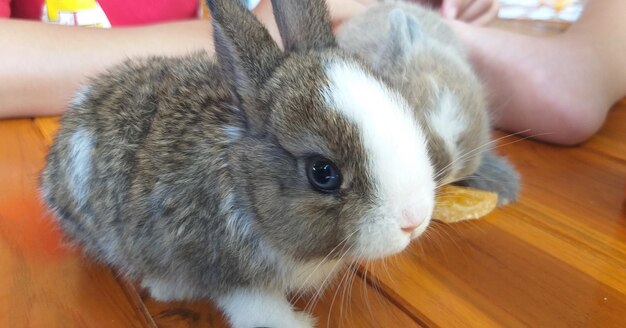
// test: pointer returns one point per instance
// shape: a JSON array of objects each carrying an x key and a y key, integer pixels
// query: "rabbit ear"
[
  {"x": 245, "y": 50},
  {"x": 405, "y": 33},
  {"x": 304, "y": 25}
]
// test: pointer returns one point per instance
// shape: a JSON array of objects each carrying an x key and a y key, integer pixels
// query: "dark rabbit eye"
[{"x": 323, "y": 174}]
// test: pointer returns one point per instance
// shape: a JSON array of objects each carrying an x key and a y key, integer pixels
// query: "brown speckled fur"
[{"x": 196, "y": 169}]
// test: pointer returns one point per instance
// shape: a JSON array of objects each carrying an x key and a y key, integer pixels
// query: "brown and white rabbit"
[
  {"x": 247, "y": 179},
  {"x": 416, "y": 52}
]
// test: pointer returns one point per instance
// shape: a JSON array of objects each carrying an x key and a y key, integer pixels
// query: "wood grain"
[
  {"x": 557, "y": 258},
  {"x": 610, "y": 141},
  {"x": 47, "y": 127},
  {"x": 44, "y": 283}
]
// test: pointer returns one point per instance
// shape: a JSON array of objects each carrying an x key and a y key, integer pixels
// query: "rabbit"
[
  {"x": 246, "y": 179},
  {"x": 417, "y": 53}
]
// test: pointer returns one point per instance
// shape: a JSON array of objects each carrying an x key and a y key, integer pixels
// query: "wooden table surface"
[{"x": 556, "y": 258}]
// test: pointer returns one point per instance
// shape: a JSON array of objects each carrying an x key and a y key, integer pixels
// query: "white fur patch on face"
[
  {"x": 449, "y": 121},
  {"x": 398, "y": 163},
  {"x": 79, "y": 168}
]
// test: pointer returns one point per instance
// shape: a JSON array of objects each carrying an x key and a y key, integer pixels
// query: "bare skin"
[
  {"x": 43, "y": 64},
  {"x": 558, "y": 88}
]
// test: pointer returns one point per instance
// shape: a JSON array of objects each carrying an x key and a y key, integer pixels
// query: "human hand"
[{"x": 478, "y": 12}]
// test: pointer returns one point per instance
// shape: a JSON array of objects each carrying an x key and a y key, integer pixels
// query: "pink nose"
[
  {"x": 409, "y": 229},
  {"x": 410, "y": 221}
]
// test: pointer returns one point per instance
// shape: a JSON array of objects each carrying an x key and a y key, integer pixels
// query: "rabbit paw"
[
  {"x": 495, "y": 174},
  {"x": 246, "y": 308}
]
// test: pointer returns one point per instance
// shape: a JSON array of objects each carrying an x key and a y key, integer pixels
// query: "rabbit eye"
[{"x": 323, "y": 174}]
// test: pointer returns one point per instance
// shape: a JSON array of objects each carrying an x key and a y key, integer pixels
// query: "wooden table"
[{"x": 557, "y": 258}]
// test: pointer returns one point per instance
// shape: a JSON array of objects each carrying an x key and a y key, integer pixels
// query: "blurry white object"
[{"x": 547, "y": 10}]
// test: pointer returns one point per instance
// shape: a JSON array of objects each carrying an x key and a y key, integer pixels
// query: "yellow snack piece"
[
  {"x": 561, "y": 4},
  {"x": 454, "y": 204}
]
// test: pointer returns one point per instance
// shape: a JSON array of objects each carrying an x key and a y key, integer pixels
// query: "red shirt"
[{"x": 119, "y": 12}]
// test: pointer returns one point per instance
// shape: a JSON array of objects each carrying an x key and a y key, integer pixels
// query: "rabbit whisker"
[{"x": 298, "y": 294}]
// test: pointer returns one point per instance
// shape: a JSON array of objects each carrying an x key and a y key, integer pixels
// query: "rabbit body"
[
  {"x": 136, "y": 184},
  {"x": 243, "y": 180},
  {"x": 155, "y": 186}
]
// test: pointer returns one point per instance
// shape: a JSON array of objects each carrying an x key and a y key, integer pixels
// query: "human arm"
[{"x": 43, "y": 64}]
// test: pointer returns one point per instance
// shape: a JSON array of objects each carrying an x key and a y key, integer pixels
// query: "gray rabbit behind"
[{"x": 416, "y": 52}]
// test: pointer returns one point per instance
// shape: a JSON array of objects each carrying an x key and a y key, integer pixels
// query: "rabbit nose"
[
  {"x": 410, "y": 221},
  {"x": 409, "y": 229}
]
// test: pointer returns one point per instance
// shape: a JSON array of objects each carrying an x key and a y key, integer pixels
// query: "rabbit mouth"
[
  {"x": 420, "y": 229},
  {"x": 383, "y": 238}
]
